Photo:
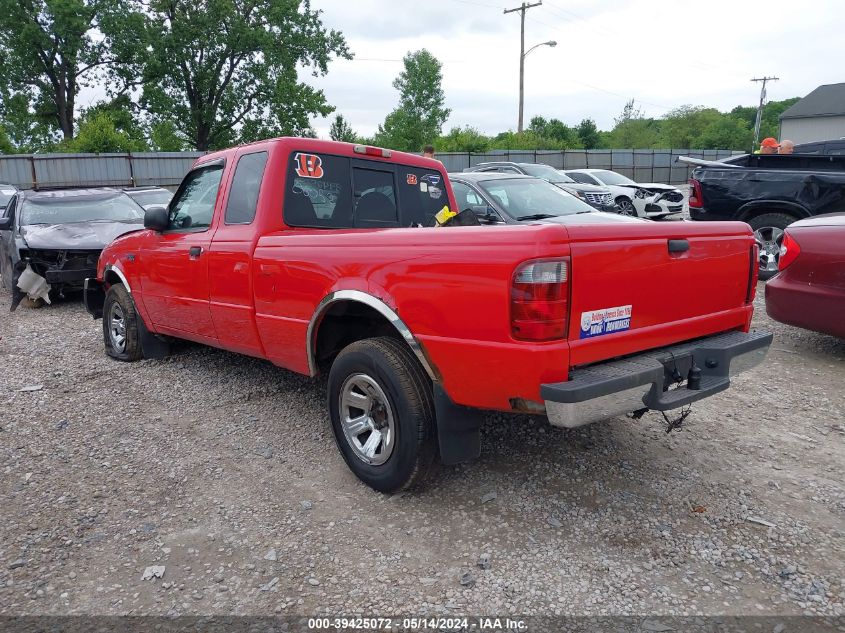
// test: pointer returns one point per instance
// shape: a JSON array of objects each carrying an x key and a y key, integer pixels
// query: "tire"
[
  {"x": 380, "y": 383},
  {"x": 626, "y": 207},
  {"x": 768, "y": 231},
  {"x": 120, "y": 325}
]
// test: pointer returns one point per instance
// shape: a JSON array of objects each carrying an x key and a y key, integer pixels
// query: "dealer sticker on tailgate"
[{"x": 606, "y": 321}]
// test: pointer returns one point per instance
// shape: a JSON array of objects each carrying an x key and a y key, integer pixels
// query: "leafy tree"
[
  {"x": 164, "y": 137},
  {"x": 51, "y": 48},
  {"x": 557, "y": 134},
  {"x": 466, "y": 139},
  {"x": 629, "y": 112},
  {"x": 6, "y": 146},
  {"x": 342, "y": 131},
  {"x": 98, "y": 134},
  {"x": 421, "y": 113},
  {"x": 588, "y": 134},
  {"x": 122, "y": 112},
  {"x": 632, "y": 130},
  {"x": 683, "y": 126},
  {"x": 28, "y": 130},
  {"x": 226, "y": 70}
]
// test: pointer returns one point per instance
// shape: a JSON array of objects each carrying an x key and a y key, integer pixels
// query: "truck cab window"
[
  {"x": 318, "y": 191},
  {"x": 375, "y": 198},
  {"x": 193, "y": 205},
  {"x": 246, "y": 183}
]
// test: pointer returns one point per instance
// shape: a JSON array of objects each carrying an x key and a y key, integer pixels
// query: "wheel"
[
  {"x": 626, "y": 207},
  {"x": 768, "y": 231},
  {"x": 382, "y": 414},
  {"x": 120, "y": 325}
]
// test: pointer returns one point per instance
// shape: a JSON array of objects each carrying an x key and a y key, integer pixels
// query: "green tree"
[
  {"x": 123, "y": 114},
  {"x": 6, "y": 146},
  {"x": 342, "y": 131},
  {"x": 588, "y": 133},
  {"x": 226, "y": 70},
  {"x": 421, "y": 113},
  {"x": 467, "y": 139},
  {"x": 28, "y": 129},
  {"x": 632, "y": 130},
  {"x": 165, "y": 137},
  {"x": 51, "y": 48},
  {"x": 98, "y": 134}
]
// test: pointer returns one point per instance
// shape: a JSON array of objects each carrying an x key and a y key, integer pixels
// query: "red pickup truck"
[{"x": 323, "y": 257}]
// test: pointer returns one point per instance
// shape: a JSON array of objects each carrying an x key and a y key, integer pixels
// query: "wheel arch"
[
  {"x": 759, "y": 207},
  {"x": 113, "y": 274},
  {"x": 360, "y": 306}
]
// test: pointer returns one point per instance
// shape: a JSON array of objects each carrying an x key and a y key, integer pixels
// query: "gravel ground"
[{"x": 222, "y": 469}]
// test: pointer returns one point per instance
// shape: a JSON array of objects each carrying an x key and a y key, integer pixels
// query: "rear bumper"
[
  {"x": 805, "y": 305},
  {"x": 701, "y": 213},
  {"x": 616, "y": 387}
]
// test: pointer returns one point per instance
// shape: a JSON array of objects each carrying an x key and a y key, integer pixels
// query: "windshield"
[
  {"x": 612, "y": 178},
  {"x": 546, "y": 173},
  {"x": 118, "y": 208},
  {"x": 151, "y": 197},
  {"x": 528, "y": 197}
]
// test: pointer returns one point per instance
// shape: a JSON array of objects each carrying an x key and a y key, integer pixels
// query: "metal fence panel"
[
  {"x": 17, "y": 170},
  {"x": 165, "y": 169},
  {"x": 82, "y": 170}
]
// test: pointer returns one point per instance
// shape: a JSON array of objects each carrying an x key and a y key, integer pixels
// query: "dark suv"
[{"x": 597, "y": 197}]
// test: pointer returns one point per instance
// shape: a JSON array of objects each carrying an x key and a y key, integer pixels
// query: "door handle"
[
  {"x": 678, "y": 246},
  {"x": 194, "y": 252}
]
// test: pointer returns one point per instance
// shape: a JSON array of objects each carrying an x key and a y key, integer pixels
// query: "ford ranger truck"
[{"x": 324, "y": 258}]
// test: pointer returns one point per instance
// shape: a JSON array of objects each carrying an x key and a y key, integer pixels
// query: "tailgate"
[{"x": 656, "y": 284}]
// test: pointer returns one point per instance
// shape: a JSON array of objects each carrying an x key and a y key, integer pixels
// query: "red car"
[
  {"x": 323, "y": 257},
  {"x": 809, "y": 290}
]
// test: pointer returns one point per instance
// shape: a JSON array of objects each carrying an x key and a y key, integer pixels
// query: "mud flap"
[
  {"x": 152, "y": 346},
  {"x": 458, "y": 429}
]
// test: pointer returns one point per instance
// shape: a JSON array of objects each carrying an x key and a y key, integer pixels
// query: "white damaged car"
[{"x": 651, "y": 200}]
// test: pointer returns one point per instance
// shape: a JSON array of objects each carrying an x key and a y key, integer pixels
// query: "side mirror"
[
  {"x": 486, "y": 214},
  {"x": 5, "y": 223},
  {"x": 156, "y": 218}
]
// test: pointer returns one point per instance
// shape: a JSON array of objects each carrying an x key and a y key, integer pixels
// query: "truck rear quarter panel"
[{"x": 451, "y": 287}]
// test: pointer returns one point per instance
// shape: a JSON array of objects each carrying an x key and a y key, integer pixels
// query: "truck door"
[
  {"x": 174, "y": 263},
  {"x": 230, "y": 259}
]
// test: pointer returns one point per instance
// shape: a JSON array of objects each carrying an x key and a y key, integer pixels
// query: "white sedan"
[{"x": 645, "y": 200}]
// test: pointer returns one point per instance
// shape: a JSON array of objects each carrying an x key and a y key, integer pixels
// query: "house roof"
[{"x": 826, "y": 100}]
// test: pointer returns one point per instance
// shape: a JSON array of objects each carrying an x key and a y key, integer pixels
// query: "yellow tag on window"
[{"x": 444, "y": 215}]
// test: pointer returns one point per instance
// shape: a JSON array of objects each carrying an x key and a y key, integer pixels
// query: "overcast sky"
[{"x": 663, "y": 53}]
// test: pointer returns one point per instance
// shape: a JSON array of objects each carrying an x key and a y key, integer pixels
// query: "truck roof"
[{"x": 337, "y": 148}]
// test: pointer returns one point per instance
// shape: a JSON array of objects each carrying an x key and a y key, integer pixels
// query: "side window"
[
  {"x": 193, "y": 205},
  {"x": 243, "y": 195},
  {"x": 375, "y": 198},
  {"x": 422, "y": 193},
  {"x": 318, "y": 191},
  {"x": 465, "y": 197},
  {"x": 9, "y": 211}
]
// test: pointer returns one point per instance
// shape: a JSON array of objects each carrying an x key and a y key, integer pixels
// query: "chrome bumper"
[{"x": 617, "y": 387}]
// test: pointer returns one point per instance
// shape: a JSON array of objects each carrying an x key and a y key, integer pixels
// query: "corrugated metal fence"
[
  {"x": 166, "y": 169},
  {"x": 641, "y": 165},
  {"x": 31, "y": 171}
]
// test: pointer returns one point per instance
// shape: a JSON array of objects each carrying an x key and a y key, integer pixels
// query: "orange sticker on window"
[
  {"x": 308, "y": 165},
  {"x": 412, "y": 179}
]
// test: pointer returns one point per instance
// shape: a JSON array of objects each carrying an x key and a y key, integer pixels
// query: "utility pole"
[
  {"x": 522, "y": 9},
  {"x": 760, "y": 108}
]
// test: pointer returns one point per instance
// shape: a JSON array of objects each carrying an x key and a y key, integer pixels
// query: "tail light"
[
  {"x": 789, "y": 251},
  {"x": 695, "y": 199},
  {"x": 753, "y": 273},
  {"x": 540, "y": 300}
]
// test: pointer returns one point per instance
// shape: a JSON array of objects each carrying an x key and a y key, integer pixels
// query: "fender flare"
[
  {"x": 114, "y": 269},
  {"x": 376, "y": 304},
  {"x": 750, "y": 209}
]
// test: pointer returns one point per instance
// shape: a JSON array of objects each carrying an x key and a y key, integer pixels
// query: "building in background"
[{"x": 819, "y": 116}]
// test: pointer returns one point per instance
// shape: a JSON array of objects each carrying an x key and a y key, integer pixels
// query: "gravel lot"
[{"x": 223, "y": 469}]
